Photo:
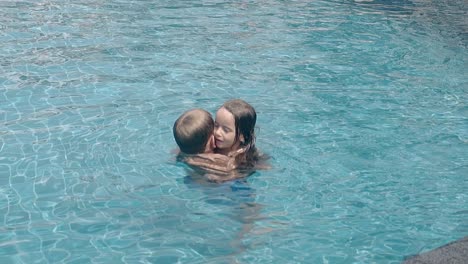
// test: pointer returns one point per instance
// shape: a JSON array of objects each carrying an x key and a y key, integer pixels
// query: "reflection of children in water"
[{"x": 236, "y": 199}]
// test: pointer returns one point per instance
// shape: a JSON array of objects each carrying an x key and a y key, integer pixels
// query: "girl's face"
[{"x": 225, "y": 131}]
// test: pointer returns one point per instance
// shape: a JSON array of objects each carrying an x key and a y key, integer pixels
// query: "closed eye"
[{"x": 225, "y": 128}]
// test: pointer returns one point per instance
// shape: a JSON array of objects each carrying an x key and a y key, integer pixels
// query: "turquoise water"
[{"x": 361, "y": 104}]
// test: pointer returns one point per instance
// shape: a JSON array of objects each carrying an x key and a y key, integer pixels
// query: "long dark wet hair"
[{"x": 245, "y": 119}]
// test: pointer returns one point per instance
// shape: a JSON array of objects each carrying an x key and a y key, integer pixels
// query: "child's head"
[
  {"x": 235, "y": 126},
  {"x": 193, "y": 132}
]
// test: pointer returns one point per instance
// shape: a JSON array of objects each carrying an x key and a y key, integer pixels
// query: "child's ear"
[
  {"x": 210, "y": 145},
  {"x": 212, "y": 139}
]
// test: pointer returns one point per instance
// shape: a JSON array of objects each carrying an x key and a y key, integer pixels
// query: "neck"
[{"x": 223, "y": 151}]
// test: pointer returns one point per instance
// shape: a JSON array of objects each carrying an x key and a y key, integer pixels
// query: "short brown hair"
[{"x": 192, "y": 130}]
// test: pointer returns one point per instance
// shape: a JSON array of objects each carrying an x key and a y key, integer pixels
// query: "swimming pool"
[{"x": 361, "y": 104}]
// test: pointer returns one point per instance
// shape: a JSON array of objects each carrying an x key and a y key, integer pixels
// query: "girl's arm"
[
  {"x": 212, "y": 162},
  {"x": 234, "y": 174}
]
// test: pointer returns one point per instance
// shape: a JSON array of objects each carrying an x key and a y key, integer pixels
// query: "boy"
[{"x": 193, "y": 133}]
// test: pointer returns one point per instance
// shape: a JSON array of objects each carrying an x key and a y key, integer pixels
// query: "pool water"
[{"x": 361, "y": 104}]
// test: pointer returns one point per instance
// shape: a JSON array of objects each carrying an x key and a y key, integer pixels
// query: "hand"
[
  {"x": 212, "y": 157},
  {"x": 237, "y": 152},
  {"x": 216, "y": 162}
]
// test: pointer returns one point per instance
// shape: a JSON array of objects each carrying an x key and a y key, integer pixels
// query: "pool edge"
[{"x": 455, "y": 252}]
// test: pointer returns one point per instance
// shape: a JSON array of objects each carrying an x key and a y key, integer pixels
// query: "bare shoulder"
[
  {"x": 212, "y": 157},
  {"x": 211, "y": 162}
]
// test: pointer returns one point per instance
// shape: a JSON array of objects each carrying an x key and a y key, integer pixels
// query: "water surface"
[{"x": 361, "y": 104}]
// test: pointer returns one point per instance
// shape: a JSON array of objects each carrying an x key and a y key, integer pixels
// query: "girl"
[{"x": 234, "y": 133}]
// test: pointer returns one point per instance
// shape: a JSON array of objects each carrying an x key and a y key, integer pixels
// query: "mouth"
[{"x": 218, "y": 142}]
